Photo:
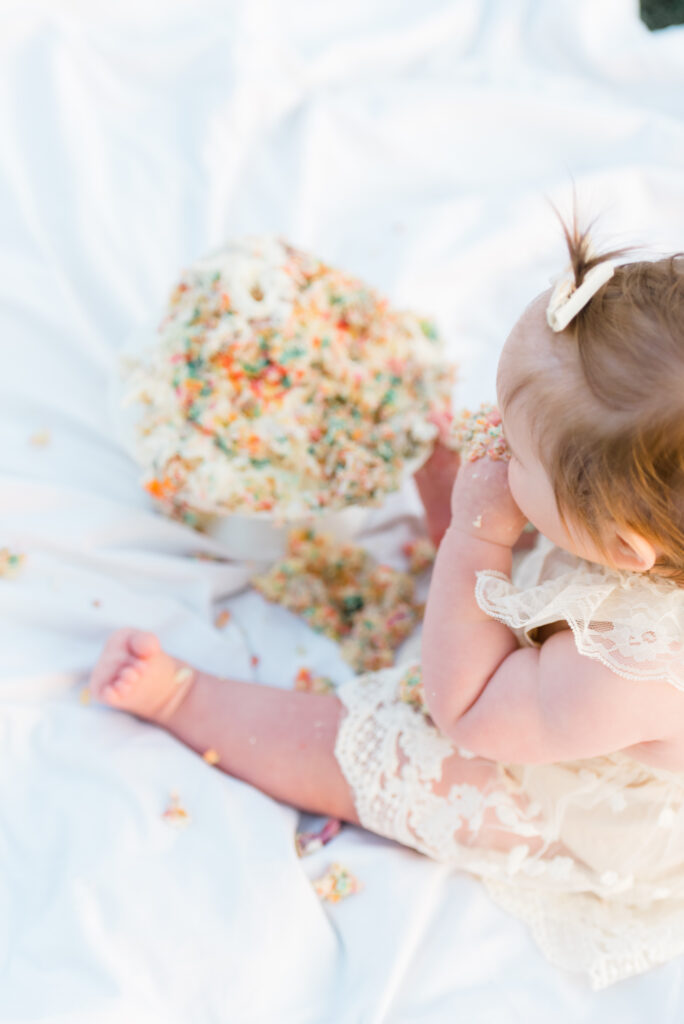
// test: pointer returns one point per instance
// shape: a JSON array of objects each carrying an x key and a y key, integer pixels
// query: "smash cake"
[{"x": 277, "y": 386}]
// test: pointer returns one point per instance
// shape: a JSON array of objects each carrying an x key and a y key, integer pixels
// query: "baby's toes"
[
  {"x": 142, "y": 644},
  {"x": 123, "y": 683},
  {"x": 103, "y": 675}
]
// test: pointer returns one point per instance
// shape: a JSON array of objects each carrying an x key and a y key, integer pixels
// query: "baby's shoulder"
[{"x": 632, "y": 623}]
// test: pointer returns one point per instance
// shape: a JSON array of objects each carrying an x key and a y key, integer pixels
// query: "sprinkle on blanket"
[
  {"x": 40, "y": 439},
  {"x": 336, "y": 884},
  {"x": 340, "y": 590},
  {"x": 10, "y": 563},
  {"x": 175, "y": 814}
]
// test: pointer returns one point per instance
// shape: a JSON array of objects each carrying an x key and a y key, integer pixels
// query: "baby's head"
[{"x": 594, "y": 417}]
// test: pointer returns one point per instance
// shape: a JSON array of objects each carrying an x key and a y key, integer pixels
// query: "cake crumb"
[
  {"x": 336, "y": 884},
  {"x": 40, "y": 439},
  {"x": 175, "y": 814}
]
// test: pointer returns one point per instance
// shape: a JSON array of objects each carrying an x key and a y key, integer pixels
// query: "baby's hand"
[
  {"x": 482, "y": 504},
  {"x": 435, "y": 481}
]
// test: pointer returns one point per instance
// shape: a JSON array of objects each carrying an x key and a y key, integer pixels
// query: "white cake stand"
[{"x": 264, "y": 538}]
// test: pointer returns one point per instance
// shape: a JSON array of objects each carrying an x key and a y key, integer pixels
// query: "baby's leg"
[
  {"x": 280, "y": 741},
  {"x": 283, "y": 742}
]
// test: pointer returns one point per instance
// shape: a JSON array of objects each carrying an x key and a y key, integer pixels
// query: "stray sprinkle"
[
  {"x": 40, "y": 439},
  {"x": 175, "y": 814},
  {"x": 336, "y": 884},
  {"x": 10, "y": 563}
]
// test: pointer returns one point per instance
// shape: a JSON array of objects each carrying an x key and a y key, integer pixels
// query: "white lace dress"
[{"x": 589, "y": 853}]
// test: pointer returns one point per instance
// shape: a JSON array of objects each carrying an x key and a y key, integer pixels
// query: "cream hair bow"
[{"x": 567, "y": 300}]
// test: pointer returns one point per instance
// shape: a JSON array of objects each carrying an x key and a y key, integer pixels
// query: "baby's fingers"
[{"x": 443, "y": 420}]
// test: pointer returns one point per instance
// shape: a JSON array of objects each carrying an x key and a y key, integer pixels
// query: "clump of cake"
[
  {"x": 420, "y": 553},
  {"x": 341, "y": 591},
  {"x": 278, "y": 384},
  {"x": 11, "y": 563},
  {"x": 411, "y": 689},
  {"x": 479, "y": 434}
]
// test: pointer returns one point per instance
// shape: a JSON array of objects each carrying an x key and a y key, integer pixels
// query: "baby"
[{"x": 551, "y": 763}]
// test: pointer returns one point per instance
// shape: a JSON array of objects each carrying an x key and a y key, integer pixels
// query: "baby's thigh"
[{"x": 491, "y": 811}]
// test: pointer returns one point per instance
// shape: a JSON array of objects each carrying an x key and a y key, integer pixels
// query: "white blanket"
[{"x": 415, "y": 144}]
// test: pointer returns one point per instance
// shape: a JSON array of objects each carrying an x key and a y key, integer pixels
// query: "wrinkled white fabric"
[
  {"x": 589, "y": 853},
  {"x": 414, "y": 144}
]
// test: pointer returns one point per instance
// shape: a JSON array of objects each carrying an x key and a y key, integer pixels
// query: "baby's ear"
[{"x": 629, "y": 550}]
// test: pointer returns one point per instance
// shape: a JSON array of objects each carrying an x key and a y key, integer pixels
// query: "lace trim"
[
  {"x": 589, "y": 917},
  {"x": 607, "y": 942},
  {"x": 632, "y": 624}
]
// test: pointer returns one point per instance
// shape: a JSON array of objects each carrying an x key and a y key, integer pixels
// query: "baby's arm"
[
  {"x": 462, "y": 646},
  {"x": 553, "y": 704},
  {"x": 530, "y": 705}
]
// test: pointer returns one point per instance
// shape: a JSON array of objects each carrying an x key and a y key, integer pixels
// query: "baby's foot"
[{"x": 134, "y": 674}]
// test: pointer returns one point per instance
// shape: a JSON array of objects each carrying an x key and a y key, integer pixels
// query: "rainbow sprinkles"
[
  {"x": 479, "y": 434},
  {"x": 279, "y": 385}
]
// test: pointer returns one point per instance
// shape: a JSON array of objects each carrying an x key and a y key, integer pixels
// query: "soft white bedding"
[{"x": 413, "y": 144}]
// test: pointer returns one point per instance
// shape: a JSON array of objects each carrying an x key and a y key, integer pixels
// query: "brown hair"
[{"x": 620, "y": 454}]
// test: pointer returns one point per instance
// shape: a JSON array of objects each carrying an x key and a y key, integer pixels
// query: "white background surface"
[{"x": 414, "y": 144}]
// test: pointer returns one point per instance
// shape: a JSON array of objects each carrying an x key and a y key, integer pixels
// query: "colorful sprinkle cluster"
[
  {"x": 477, "y": 434},
  {"x": 342, "y": 592},
  {"x": 175, "y": 814},
  {"x": 307, "y": 682},
  {"x": 336, "y": 884},
  {"x": 420, "y": 553},
  {"x": 40, "y": 439},
  {"x": 310, "y": 842},
  {"x": 411, "y": 689},
  {"x": 10, "y": 563},
  {"x": 277, "y": 384}
]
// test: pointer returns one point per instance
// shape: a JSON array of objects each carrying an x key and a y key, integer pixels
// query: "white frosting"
[{"x": 276, "y": 383}]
